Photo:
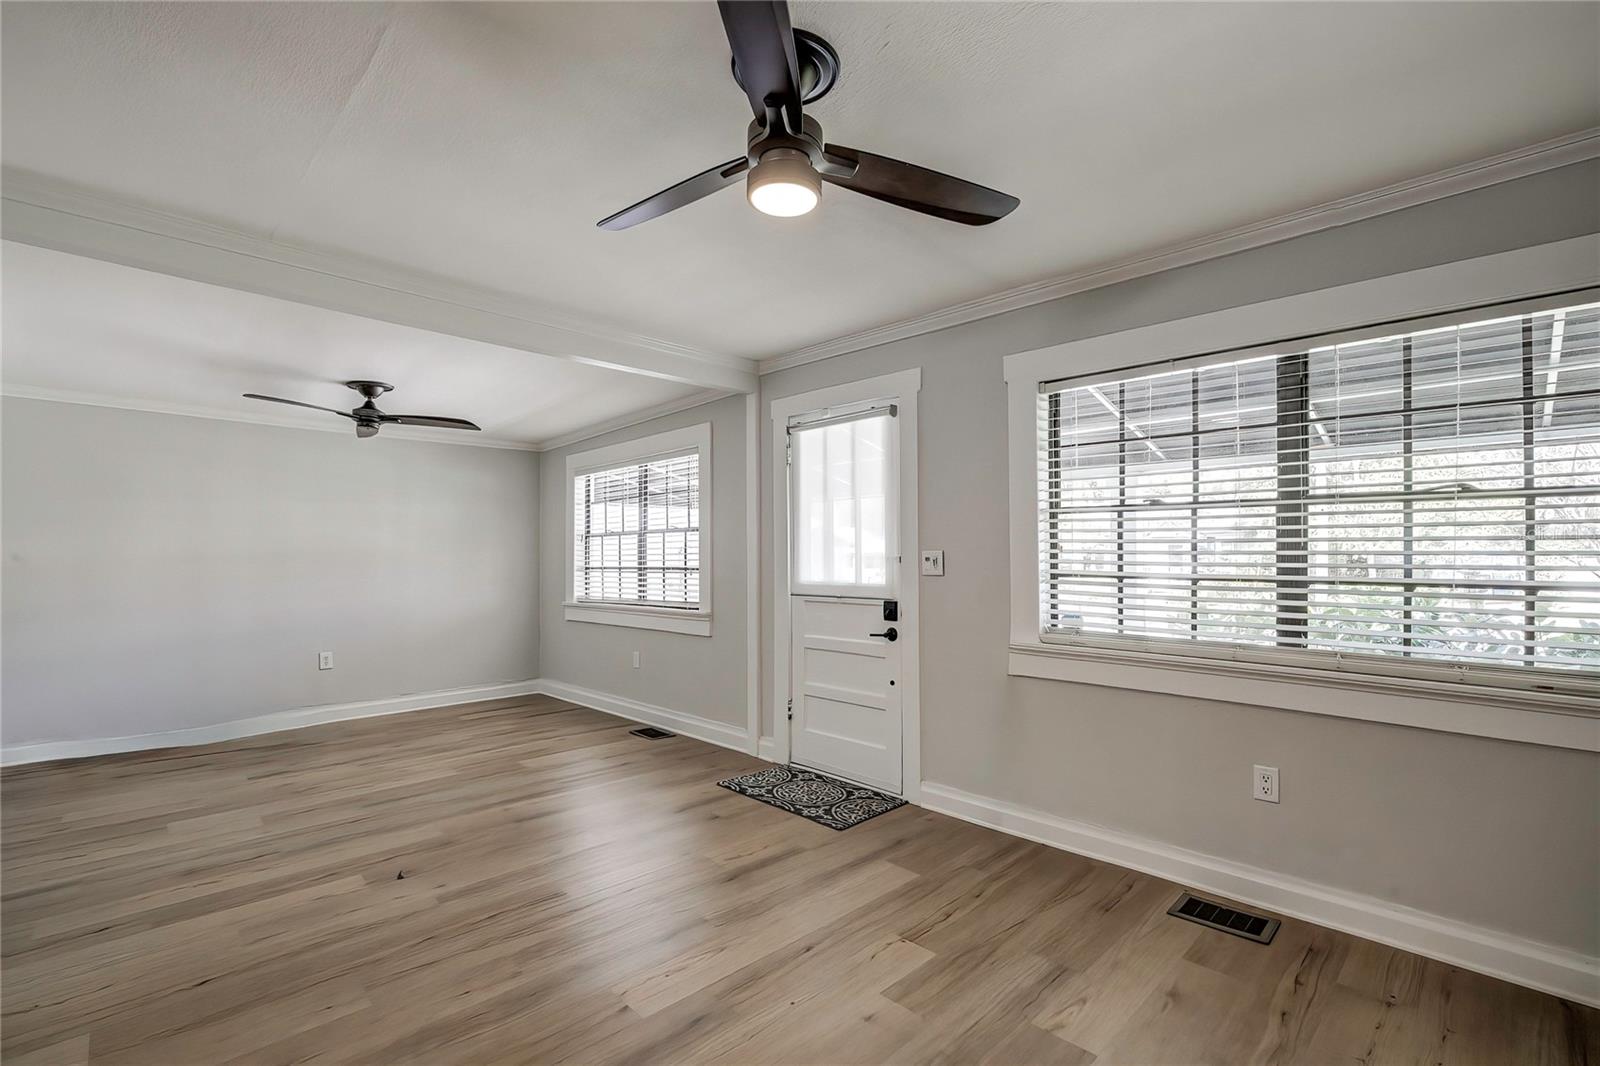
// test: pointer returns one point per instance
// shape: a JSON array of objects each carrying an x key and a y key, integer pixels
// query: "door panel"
[
  {"x": 845, "y": 714},
  {"x": 854, "y": 672},
  {"x": 846, "y": 694}
]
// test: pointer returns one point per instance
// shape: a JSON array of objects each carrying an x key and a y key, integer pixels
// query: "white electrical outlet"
[
  {"x": 1264, "y": 784},
  {"x": 636, "y": 660},
  {"x": 933, "y": 562},
  {"x": 324, "y": 660}
]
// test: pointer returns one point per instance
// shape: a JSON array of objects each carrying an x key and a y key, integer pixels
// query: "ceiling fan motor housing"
[
  {"x": 770, "y": 133},
  {"x": 783, "y": 159}
]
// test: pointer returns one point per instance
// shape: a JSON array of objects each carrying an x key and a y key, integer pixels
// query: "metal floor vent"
[
  {"x": 1216, "y": 916},
  {"x": 650, "y": 732}
]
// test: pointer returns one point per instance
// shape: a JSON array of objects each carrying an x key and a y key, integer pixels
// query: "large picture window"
[{"x": 1426, "y": 497}]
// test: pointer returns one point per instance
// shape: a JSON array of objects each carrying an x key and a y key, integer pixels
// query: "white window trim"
[
  {"x": 690, "y": 621},
  {"x": 1567, "y": 721}
]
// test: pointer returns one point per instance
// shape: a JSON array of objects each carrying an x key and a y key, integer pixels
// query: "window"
[
  {"x": 841, "y": 477},
  {"x": 638, "y": 532},
  {"x": 1399, "y": 503}
]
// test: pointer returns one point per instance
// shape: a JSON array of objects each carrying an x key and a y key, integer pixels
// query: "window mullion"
[{"x": 1292, "y": 529}]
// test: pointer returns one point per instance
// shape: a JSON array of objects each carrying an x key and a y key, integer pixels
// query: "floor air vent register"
[
  {"x": 650, "y": 732},
  {"x": 1216, "y": 916}
]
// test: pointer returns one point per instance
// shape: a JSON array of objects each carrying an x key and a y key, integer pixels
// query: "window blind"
[
  {"x": 839, "y": 476},
  {"x": 636, "y": 535},
  {"x": 1425, "y": 498}
]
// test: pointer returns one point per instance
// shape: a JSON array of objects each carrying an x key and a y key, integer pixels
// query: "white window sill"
[
  {"x": 694, "y": 623},
  {"x": 1529, "y": 718}
]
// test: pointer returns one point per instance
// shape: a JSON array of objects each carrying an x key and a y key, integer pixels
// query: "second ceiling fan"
[{"x": 780, "y": 69}]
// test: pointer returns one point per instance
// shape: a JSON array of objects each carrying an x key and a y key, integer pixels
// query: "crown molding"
[
  {"x": 637, "y": 418},
  {"x": 51, "y": 214},
  {"x": 1507, "y": 166},
  {"x": 424, "y": 436},
  {"x": 217, "y": 414}
]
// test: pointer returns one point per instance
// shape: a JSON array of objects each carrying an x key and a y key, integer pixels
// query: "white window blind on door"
[
  {"x": 1404, "y": 503},
  {"x": 840, "y": 473},
  {"x": 636, "y": 536}
]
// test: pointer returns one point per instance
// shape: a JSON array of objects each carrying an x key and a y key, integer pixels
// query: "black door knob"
[{"x": 891, "y": 634}]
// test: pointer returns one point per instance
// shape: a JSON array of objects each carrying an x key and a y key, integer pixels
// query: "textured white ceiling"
[
  {"x": 482, "y": 141},
  {"x": 91, "y": 329}
]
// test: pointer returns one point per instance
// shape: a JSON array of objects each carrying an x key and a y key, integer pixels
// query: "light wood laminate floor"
[{"x": 575, "y": 894}]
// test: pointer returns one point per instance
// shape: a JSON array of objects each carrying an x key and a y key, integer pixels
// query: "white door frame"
[{"x": 900, "y": 389}]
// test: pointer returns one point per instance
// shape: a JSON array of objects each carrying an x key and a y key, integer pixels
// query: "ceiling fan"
[
  {"x": 780, "y": 69},
  {"x": 367, "y": 417}
]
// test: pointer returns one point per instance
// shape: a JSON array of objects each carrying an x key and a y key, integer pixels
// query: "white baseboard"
[
  {"x": 275, "y": 722},
  {"x": 767, "y": 749},
  {"x": 1525, "y": 962},
  {"x": 680, "y": 722}
]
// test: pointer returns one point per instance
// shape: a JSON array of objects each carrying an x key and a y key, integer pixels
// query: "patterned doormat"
[{"x": 818, "y": 797}]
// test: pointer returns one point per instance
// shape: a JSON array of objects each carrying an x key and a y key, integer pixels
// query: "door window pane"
[{"x": 840, "y": 475}]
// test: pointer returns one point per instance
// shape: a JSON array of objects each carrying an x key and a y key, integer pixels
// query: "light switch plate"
[{"x": 933, "y": 562}]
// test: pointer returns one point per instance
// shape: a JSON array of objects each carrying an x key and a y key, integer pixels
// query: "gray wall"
[
  {"x": 1501, "y": 835},
  {"x": 163, "y": 572},
  {"x": 703, "y": 676}
]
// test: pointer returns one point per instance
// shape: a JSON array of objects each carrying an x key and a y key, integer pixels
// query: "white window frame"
[
  {"x": 690, "y": 621},
  {"x": 1570, "y": 268}
]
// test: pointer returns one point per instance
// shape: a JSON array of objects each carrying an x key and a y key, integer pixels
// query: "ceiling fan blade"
[
  {"x": 763, "y": 54},
  {"x": 297, "y": 403},
  {"x": 685, "y": 192},
  {"x": 426, "y": 420},
  {"x": 919, "y": 189}
]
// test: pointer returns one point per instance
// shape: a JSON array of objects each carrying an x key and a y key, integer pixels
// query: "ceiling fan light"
[{"x": 783, "y": 184}]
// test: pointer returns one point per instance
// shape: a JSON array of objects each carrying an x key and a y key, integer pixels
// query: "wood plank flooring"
[{"x": 524, "y": 881}]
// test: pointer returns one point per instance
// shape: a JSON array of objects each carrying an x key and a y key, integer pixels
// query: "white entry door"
[{"x": 845, "y": 713}]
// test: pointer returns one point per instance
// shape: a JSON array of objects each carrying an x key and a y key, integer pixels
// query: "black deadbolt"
[{"x": 891, "y": 610}]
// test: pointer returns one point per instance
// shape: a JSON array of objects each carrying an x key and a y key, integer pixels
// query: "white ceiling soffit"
[
  {"x": 420, "y": 162},
  {"x": 83, "y": 330}
]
